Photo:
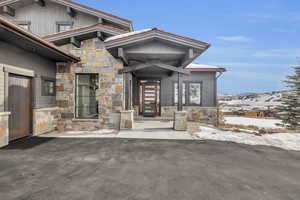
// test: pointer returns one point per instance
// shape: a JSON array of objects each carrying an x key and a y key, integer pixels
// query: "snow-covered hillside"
[{"x": 251, "y": 101}]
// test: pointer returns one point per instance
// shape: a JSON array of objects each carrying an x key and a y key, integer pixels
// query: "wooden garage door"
[{"x": 20, "y": 106}]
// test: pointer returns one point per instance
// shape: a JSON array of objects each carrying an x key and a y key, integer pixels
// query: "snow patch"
[
  {"x": 288, "y": 141},
  {"x": 261, "y": 123},
  {"x": 126, "y": 35}
]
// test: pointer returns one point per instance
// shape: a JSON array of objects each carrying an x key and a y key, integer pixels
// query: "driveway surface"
[{"x": 104, "y": 168}]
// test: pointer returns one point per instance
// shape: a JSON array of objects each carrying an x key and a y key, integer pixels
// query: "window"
[
  {"x": 87, "y": 91},
  {"x": 24, "y": 24},
  {"x": 48, "y": 86},
  {"x": 64, "y": 26},
  {"x": 176, "y": 93},
  {"x": 195, "y": 93}
]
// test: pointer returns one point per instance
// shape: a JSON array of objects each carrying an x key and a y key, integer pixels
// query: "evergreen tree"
[{"x": 289, "y": 111}]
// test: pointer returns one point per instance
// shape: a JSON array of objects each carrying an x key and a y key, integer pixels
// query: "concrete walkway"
[{"x": 141, "y": 130}]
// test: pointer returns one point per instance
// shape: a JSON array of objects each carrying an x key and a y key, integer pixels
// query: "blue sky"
[{"x": 255, "y": 40}]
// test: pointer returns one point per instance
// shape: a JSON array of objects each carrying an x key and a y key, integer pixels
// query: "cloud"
[
  {"x": 278, "y": 53},
  {"x": 238, "y": 38}
]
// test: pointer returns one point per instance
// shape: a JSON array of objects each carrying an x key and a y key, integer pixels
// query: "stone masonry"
[
  {"x": 94, "y": 59},
  {"x": 45, "y": 120},
  {"x": 199, "y": 114}
]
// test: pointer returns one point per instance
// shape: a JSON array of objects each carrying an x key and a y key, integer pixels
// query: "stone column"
[
  {"x": 180, "y": 120},
  {"x": 4, "y": 128},
  {"x": 126, "y": 121}
]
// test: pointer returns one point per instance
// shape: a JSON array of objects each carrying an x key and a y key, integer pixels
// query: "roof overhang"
[
  {"x": 179, "y": 51},
  {"x": 193, "y": 67},
  {"x": 84, "y": 9},
  {"x": 24, "y": 39},
  {"x": 83, "y": 33}
]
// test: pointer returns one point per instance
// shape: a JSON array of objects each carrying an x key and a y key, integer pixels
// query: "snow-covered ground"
[
  {"x": 252, "y": 101},
  {"x": 289, "y": 141},
  {"x": 261, "y": 123}
]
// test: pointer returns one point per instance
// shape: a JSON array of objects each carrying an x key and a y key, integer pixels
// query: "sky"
[{"x": 257, "y": 41}]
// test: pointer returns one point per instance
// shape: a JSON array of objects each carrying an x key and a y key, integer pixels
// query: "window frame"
[
  {"x": 75, "y": 98},
  {"x": 44, "y": 92},
  {"x": 201, "y": 92},
  {"x": 26, "y": 23},
  {"x": 63, "y": 23},
  {"x": 173, "y": 93}
]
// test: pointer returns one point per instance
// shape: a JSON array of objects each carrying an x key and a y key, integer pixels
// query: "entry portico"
[{"x": 150, "y": 56}]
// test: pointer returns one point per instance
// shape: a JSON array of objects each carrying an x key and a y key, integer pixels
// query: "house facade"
[{"x": 86, "y": 69}]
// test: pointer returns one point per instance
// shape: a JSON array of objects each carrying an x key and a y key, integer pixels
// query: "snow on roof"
[
  {"x": 199, "y": 66},
  {"x": 127, "y": 34}
]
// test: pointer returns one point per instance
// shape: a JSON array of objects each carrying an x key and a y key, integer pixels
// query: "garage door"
[{"x": 20, "y": 106}]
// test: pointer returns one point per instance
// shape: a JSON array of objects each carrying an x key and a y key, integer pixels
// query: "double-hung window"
[{"x": 87, "y": 93}]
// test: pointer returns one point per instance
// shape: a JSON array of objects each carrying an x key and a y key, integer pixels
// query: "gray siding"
[
  {"x": 17, "y": 57},
  {"x": 208, "y": 87},
  {"x": 167, "y": 91},
  {"x": 43, "y": 19}
]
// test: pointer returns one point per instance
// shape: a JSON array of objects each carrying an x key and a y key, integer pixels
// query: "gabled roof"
[
  {"x": 39, "y": 42},
  {"x": 204, "y": 68},
  {"x": 84, "y": 30},
  {"x": 85, "y": 9},
  {"x": 153, "y": 33}
]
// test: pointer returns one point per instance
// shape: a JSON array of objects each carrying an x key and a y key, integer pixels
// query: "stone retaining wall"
[
  {"x": 207, "y": 115},
  {"x": 45, "y": 120},
  {"x": 4, "y": 129},
  {"x": 94, "y": 59}
]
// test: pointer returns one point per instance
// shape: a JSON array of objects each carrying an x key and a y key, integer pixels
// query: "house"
[{"x": 67, "y": 66}]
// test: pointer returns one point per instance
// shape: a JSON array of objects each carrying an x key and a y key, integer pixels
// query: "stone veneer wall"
[
  {"x": 195, "y": 113},
  {"x": 45, "y": 120},
  {"x": 4, "y": 129},
  {"x": 94, "y": 59}
]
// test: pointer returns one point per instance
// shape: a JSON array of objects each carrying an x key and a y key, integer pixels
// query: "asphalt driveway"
[{"x": 98, "y": 168}]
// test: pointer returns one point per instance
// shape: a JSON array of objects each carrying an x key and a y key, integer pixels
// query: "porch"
[{"x": 156, "y": 78}]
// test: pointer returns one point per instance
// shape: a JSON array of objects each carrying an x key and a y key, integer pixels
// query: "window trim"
[
  {"x": 63, "y": 23},
  {"x": 75, "y": 97},
  {"x": 45, "y": 93},
  {"x": 201, "y": 92},
  {"x": 28, "y": 23}
]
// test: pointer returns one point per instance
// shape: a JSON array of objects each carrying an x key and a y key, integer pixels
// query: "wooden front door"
[
  {"x": 20, "y": 106},
  {"x": 150, "y": 99}
]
